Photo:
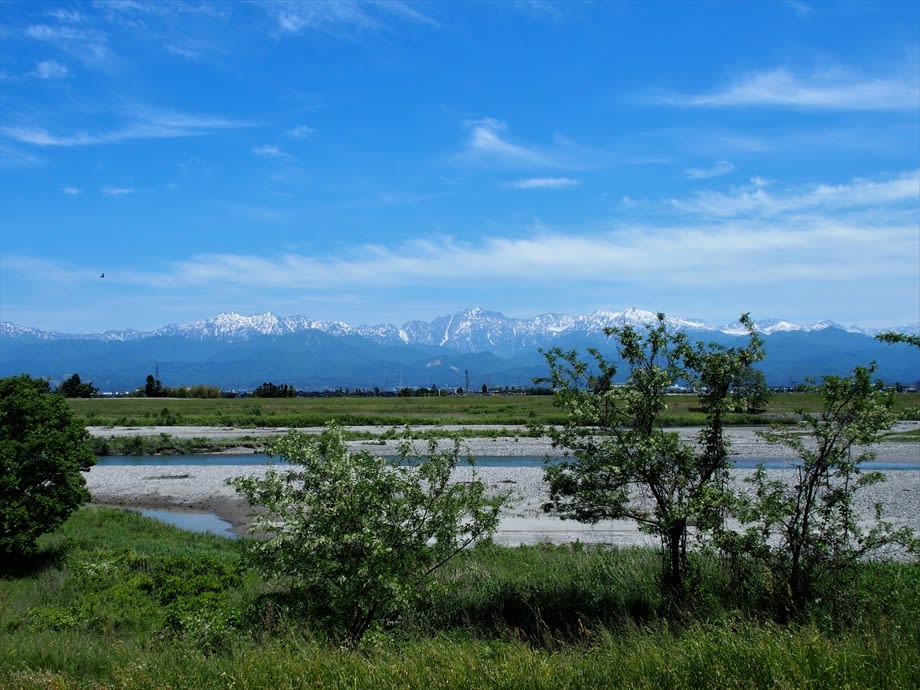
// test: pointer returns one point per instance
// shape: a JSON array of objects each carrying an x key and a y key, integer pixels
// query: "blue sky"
[{"x": 383, "y": 160}]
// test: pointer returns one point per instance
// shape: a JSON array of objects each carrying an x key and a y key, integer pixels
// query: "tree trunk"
[{"x": 674, "y": 543}]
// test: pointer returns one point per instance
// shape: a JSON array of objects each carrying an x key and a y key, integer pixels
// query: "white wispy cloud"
[
  {"x": 300, "y": 132},
  {"x": 756, "y": 200},
  {"x": 679, "y": 256},
  {"x": 832, "y": 242},
  {"x": 488, "y": 143},
  {"x": 718, "y": 169},
  {"x": 141, "y": 122},
  {"x": 72, "y": 191},
  {"x": 89, "y": 46},
  {"x": 61, "y": 272},
  {"x": 117, "y": 191},
  {"x": 270, "y": 151},
  {"x": 538, "y": 8},
  {"x": 296, "y": 16},
  {"x": 182, "y": 51},
  {"x": 834, "y": 89},
  {"x": 66, "y": 16},
  {"x": 16, "y": 156},
  {"x": 50, "y": 69},
  {"x": 857, "y": 239},
  {"x": 544, "y": 183},
  {"x": 800, "y": 8},
  {"x": 101, "y": 38}
]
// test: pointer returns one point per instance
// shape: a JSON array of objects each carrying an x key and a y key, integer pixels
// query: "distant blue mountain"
[{"x": 240, "y": 352}]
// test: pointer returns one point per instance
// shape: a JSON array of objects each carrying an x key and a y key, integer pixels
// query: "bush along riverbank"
[{"x": 116, "y": 600}]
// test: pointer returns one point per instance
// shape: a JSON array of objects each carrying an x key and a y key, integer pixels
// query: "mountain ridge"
[
  {"x": 236, "y": 351},
  {"x": 234, "y": 325}
]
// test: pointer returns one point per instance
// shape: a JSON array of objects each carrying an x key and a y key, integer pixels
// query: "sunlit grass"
[
  {"x": 511, "y": 410},
  {"x": 119, "y": 601}
]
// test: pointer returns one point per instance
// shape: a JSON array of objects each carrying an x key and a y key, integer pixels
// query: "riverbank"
[
  {"x": 500, "y": 441},
  {"x": 203, "y": 488}
]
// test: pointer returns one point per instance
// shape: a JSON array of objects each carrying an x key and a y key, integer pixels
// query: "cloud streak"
[
  {"x": 718, "y": 169},
  {"x": 544, "y": 183},
  {"x": 756, "y": 199},
  {"x": 50, "y": 69},
  {"x": 332, "y": 16},
  {"x": 89, "y": 46},
  {"x": 142, "y": 123},
  {"x": 836, "y": 89},
  {"x": 117, "y": 191},
  {"x": 731, "y": 256},
  {"x": 857, "y": 239},
  {"x": 270, "y": 151},
  {"x": 829, "y": 244},
  {"x": 487, "y": 143}
]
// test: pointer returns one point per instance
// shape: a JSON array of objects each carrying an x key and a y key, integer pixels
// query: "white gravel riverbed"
[{"x": 203, "y": 487}]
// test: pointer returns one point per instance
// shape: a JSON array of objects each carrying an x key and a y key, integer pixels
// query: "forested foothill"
[{"x": 364, "y": 575}]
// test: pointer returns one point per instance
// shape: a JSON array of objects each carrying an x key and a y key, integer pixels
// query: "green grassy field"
[
  {"x": 394, "y": 411},
  {"x": 118, "y": 601}
]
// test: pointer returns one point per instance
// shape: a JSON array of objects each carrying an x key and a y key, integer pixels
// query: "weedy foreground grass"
[{"x": 118, "y": 601}]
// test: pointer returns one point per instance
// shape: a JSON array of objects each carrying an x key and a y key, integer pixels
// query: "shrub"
[
  {"x": 43, "y": 451},
  {"x": 355, "y": 538},
  {"x": 625, "y": 464},
  {"x": 805, "y": 535}
]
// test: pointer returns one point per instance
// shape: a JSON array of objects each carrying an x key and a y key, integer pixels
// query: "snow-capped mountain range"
[
  {"x": 469, "y": 330},
  {"x": 237, "y": 351}
]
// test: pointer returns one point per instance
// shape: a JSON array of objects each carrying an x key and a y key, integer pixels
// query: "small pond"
[{"x": 191, "y": 521}]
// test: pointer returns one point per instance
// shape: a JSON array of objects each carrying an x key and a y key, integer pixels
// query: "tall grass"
[
  {"x": 119, "y": 601},
  {"x": 703, "y": 656}
]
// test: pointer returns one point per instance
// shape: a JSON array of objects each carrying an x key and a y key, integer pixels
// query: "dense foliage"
[
  {"x": 154, "y": 388},
  {"x": 355, "y": 538},
  {"x": 806, "y": 532},
  {"x": 271, "y": 390},
  {"x": 43, "y": 452},
  {"x": 750, "y": 391},
  {"x": 74, "y": 387},
  {"x": 626, "y": 465},
  {"x": 891, "y": 337}
]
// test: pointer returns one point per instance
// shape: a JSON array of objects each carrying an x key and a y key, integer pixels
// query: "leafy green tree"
[
  {"x": 750, "y": 391},
  {"x": 355, "y": 537},
  {"x": 203, "y": 391},
  {"x": 805, "y": 533},
  {"x": 153, "y": 388},
  {"x": 75, "y": 388},
  {"x": 892, "y": 338},
  {"x": 43, "y": 452},
  {"x": 271, "y": 390},
  {"x": 626, "y": 465}
]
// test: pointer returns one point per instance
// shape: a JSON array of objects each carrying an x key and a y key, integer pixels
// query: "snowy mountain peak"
[
  {"x": 471, "y": 330},
  {"x": 321, "y": 354}
]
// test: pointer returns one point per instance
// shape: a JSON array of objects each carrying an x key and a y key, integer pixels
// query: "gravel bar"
[{"x": 203, "y": 487}]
